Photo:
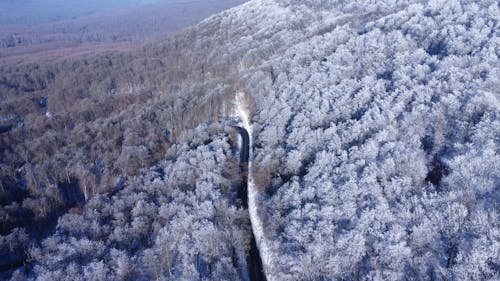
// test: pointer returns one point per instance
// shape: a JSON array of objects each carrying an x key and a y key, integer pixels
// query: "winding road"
[
  {"x": 254, "y": 261},
  {"x": 261, "y": 253}
]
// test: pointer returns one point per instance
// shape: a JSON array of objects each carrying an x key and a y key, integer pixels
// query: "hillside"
[{"x": 375, "y": 141}]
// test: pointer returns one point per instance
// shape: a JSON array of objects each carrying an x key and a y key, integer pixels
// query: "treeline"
[
  {"x": 82, "y": 125},
  {"x": 88, "y": 111}
]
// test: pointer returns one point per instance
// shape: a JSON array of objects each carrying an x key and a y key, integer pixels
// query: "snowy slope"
[{"x": 375, "y": 135}]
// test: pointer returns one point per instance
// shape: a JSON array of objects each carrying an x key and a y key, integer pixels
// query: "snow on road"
[{"x": 257, "y": 226}]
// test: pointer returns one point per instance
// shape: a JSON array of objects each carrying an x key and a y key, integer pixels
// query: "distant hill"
[
  {"x": 36, "y": 30},
  {"x": 34, "y": 12}
]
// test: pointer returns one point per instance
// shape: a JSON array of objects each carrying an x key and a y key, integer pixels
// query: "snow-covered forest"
[
  {"x": 381, "y": 142},
  {"x": 174, "y": 222},
  {"x": 375, "y": 128}
]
